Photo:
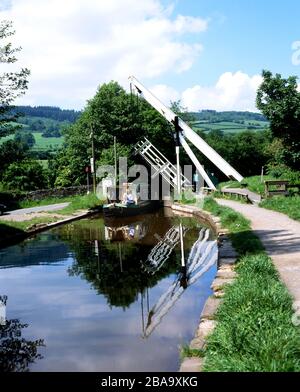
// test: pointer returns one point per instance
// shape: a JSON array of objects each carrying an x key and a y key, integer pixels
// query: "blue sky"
[
  {"x": 208, "y": 53},
  {"x": 246, "y": 35}
]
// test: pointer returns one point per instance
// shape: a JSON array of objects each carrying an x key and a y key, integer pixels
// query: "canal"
[{"x": 100, "y": 295}]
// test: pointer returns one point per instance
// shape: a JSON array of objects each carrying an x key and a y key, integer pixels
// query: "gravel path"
[
  {"x": 52, "y": 207},
  {"x": 26, "y": 214},
  {"x": 280, "y": 236}
]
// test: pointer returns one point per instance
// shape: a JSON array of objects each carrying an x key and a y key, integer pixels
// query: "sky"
[{"x": 207, "y": 53}]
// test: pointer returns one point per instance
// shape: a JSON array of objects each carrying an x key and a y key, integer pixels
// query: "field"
[
  {"x": 230, "y": 126},
  {"x": 42, "y": 143},
  {"x": 47, "y": 143}
]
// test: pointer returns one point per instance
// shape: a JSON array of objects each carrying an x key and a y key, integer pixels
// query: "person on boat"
[{"x": 128, "y": 198}]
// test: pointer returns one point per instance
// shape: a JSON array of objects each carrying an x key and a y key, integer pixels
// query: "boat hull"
[{"x": 119, "y": 210}]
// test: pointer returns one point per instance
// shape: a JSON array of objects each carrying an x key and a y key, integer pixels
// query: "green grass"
[
  {"x": 85, "y": 202},
  {"x": 46, "y": 143},
  {"x": 229, "y": 126},
  {"x": 44, "y": 202},
  {"x": 228, "y": 196},
  {"x": 76, "y": 203},
  {"x": 44, "y": 163},
  {"x": 241, "y": 236},
  {"x": 254, "y": 330},
  {"x": 9, "y": 230},
  {"x": 287, "y": 205},
  {"x": 253, "y": 183},
  {"x": 34, "y": 221},
  {"x": 41, "y": 143}
]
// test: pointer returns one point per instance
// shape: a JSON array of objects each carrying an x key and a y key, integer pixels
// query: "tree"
[
  {"x": 12, "y": 84},
  {"x": 25, "y": 137},
  {"x": 279, "y": 100},
  {"x": 11, "y": 151},
  {"x": 246, "y": 151},
  {"x": 111, "y": 112},
  {"x": 182, "y": 112},
  {"x": 38, "y": 126},
  {"x": 26, "y": 175}
]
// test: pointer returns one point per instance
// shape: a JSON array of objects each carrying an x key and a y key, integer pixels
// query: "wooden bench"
[
  {"x": 238, "y": 194},
  {"x": 276, "y": 187},
  {"x": 291, "y": 186}
]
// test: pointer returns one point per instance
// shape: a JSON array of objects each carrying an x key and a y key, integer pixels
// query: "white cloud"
[
  {"x": 72, "y": 46},
  {"x": 165, "y": 93},
  {"x": 233, "y": 91}
]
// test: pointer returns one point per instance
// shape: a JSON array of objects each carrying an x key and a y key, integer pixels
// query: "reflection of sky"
[
  {"x": 82, "y": 333},
  {"x": 5, "y": 5}
]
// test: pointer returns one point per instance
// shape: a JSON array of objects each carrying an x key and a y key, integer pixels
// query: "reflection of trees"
[
  {"x": 116, "y": 271},
  {"x": 114, "y": 268},
  {"x": 16, "y": 353}
]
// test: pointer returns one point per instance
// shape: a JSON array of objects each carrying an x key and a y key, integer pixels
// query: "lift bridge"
[
  {"x": 160, "y": 164},
  {"x": 183, "y": 134}
]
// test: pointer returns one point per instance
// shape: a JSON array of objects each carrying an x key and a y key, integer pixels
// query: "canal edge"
[
  {"x": 227, "y": 258},
  {"x": 16, "y": 238}
]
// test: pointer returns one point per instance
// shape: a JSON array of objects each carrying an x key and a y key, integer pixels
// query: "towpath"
[{"x": 280, "y": 236}]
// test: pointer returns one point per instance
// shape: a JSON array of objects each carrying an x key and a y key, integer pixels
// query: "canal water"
[{"x": 100, "y": 295}]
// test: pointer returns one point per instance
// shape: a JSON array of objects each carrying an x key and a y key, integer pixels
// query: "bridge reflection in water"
[
  {"x": 203, "y": 255},
  {"x": 83, "y": 288}
]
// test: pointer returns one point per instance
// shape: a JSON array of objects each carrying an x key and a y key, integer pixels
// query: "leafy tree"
[
  {"x": 26, "y": 175},
  {"x": 182, "y": 112},
  {"x": 53, "y": 130},
  {"x": 245, "y": 151},
  {"x": 52, "y": 112},
  {"x": 25, "y": 137},
  {"x": 107, "y": 156},
  {"x": 11, "y": 151},
  {"x": 12, "y": 84},
  {"x": 112, "y": 112},
  {"x": 38, "y": 126},
  {"x": 279, "y": 100}
]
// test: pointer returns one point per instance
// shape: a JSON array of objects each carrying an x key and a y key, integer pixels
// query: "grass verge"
[
  {"x": 228, "y": 196},
  {"x": 44, "y": 202},
  {"x": 287, "y": 205},
  {"x": 9, "y": 230},
  {"x": 84, "y": 202},
  {"x": 253, "y": 183},
  {"x": 254, "y": 332},
  {"x": 80, "y": 202}
]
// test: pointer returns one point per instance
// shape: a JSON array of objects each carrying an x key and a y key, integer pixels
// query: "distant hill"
[
  {"x": 232, "y": 116},
  {"x": 228, "y": 122},
  {"x": 46, "y": 123},
  {"x": 55, "y": 113}
]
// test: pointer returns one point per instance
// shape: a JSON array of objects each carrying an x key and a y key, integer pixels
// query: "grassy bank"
[
  {"x": 287, "y": 205},
  {"x": 253, "y": 183},
  {"x": 254, "y": 330},
  {"x": 85, "y": 202},
  {"x": 10, "y": 229},
  {"x": 80, "y": 202}
]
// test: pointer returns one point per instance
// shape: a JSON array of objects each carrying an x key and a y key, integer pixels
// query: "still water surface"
[{"x": 103, "y": 296}]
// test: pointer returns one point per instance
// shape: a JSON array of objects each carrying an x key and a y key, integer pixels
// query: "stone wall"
[{"x": 56, "y": 192}]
